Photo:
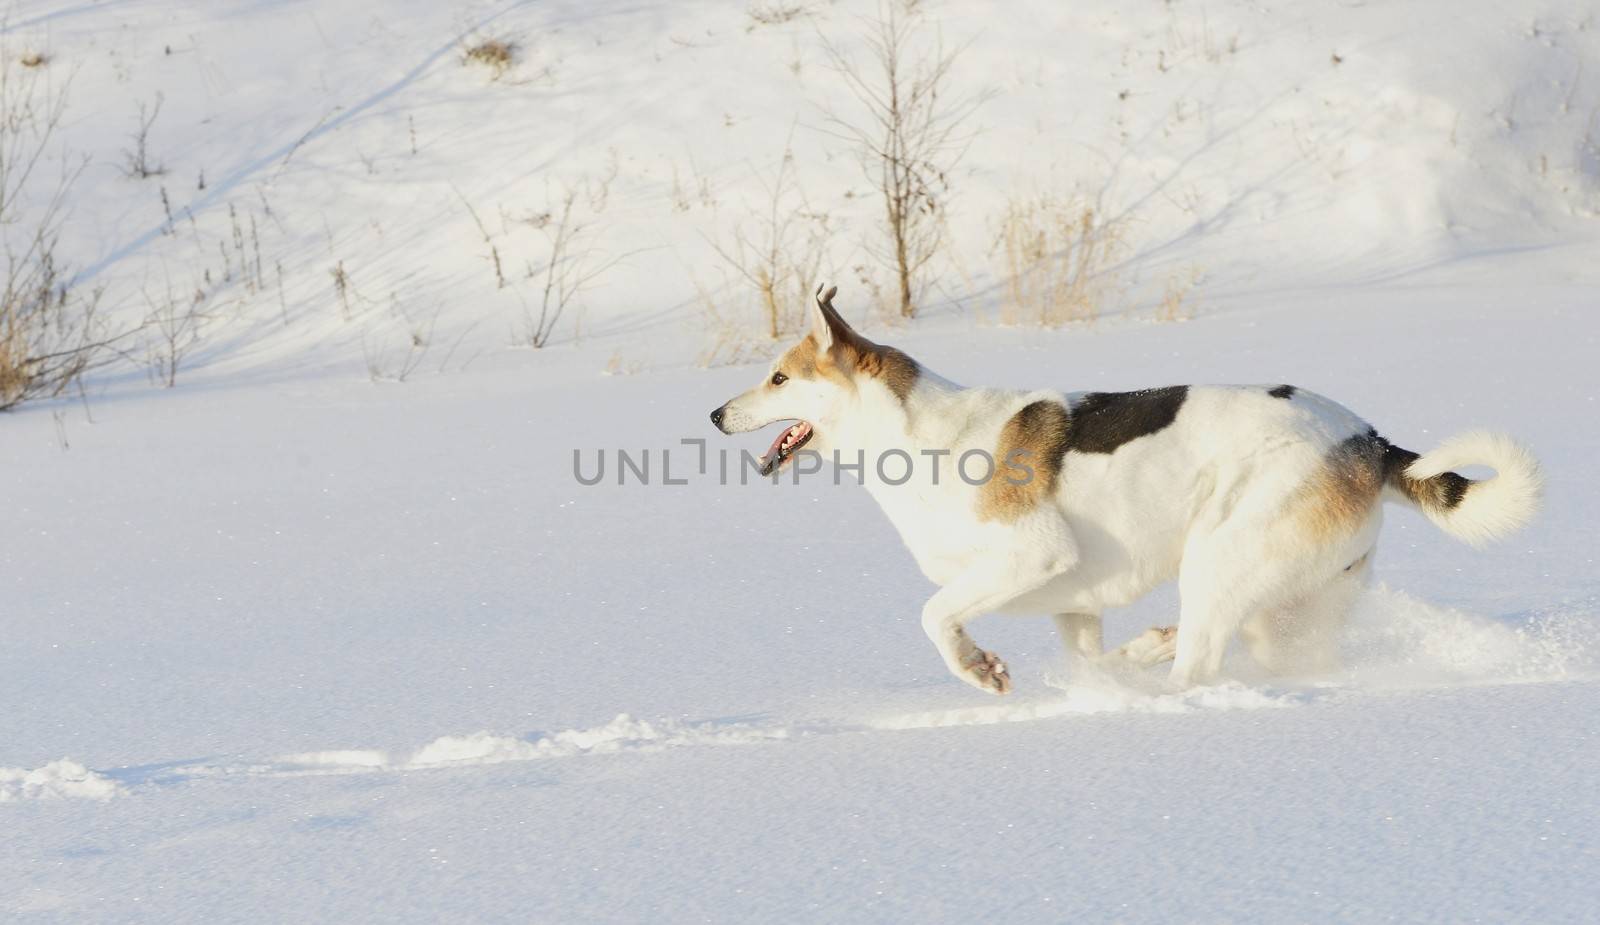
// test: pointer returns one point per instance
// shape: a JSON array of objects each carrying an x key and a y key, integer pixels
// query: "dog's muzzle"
[{"x": 716, "y": 418}]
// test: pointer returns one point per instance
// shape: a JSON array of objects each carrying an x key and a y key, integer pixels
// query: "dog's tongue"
[{"x": 770, "y": 461}]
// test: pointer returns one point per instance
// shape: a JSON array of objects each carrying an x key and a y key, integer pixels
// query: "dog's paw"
[
  {"x": 986, "y": 672},
  {"x": 1151, "y": 647}
]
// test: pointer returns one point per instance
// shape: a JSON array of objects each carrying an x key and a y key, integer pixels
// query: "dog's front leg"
[{"x": 984, "y": 586}]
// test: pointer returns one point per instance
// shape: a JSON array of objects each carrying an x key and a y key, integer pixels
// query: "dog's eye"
[{"x": 779, "y": 378}]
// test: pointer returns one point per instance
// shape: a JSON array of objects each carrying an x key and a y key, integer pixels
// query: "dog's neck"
[{"x": 880, "y": 421}]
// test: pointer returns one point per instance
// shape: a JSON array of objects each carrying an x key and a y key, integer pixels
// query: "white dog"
[{"x": 1264, "y": 502}]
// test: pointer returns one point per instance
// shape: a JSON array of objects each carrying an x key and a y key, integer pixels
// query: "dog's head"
[{"x": 815, "y": 383}]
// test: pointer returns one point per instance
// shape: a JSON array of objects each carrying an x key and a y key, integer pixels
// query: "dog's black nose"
[{"x": 716, "y": 417}]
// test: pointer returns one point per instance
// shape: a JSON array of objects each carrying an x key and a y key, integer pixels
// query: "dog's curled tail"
[{"x": 1475, "y": 511}]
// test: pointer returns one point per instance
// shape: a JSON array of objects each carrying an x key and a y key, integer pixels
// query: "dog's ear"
[{"x": 827, "y": 327}]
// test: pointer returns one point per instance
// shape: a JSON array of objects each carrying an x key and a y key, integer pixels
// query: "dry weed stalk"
[
  {"x": 1175, "y": 302},
  {"x": 731, "y": 343},
  {"x": 1058, "y": 261},
  {"x": 419, "y": 340}
]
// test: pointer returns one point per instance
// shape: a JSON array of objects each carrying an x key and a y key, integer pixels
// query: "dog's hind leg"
[
  {"x": 1304, "y": 638},
  {"x": 1080, "y": 633},
  {"x": 1152, "y": 647},
  {"x": 1239, "y": 578},
  {"x": 1226, "y": 578},
  {"x": 1279, "y": 549}
]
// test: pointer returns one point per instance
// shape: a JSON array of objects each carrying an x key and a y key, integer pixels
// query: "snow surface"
[
  {"x": 285, "y": 644},
  {"x": 55, "y": 780}
]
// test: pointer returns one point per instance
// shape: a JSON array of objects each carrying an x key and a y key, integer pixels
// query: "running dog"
[{"x": 1264, "y": 502}]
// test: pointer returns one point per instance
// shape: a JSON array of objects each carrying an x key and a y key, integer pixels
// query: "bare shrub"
[
  {"x": 49, "y": 333},
  {"x": 781, "y": 256},
  {"x": 139, "y": 165},
  {"x": 176, "y": 322},
  {"x": 908, "y": 137},
  {"x": 1057, "y": 259},
  {"x": 49, "y": 337},
  {"x": 498, "y": 55},
  {"x": 570, "y": 265}
]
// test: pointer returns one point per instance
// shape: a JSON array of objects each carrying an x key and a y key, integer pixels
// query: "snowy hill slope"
[
  {"x": 1245, "y": 147},
  {"x": 282, "y": 644}
]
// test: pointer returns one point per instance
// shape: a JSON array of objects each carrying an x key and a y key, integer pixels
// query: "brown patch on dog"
[
  {"x": 1027, "y": 462},
  {"x": 800, "y": 361},
  {"x": 1338, "y": 498},
  {"x": 894, "y": 369},
  {"x": 897, "y": 371},
  {"x": 851, "y": 356}
]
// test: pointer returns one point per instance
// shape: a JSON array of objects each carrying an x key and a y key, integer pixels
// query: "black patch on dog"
[
  {"x": 1102, "y": 421},
  {"x": 1284, "y": 392},
  {"x": 1441, "y": 493}
]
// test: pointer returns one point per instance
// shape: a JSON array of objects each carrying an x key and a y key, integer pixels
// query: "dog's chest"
[{"x": 937, "y": 525}]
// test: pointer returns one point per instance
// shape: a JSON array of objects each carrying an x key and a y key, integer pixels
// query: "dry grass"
[
  {"x": 774, "y": 13},
  {"x": 730, "y": 342},
  {"x": 48, "y": 339},
  {"x": 33, "y": 59},
  {"x": 15, "y": 375},
  {"x": 397, "y": 365},
  {"x": 49, "y": 334},
  {"x": 1057, "y": 265},
  {"x": 618, "y": 366},
  {"x": 498, "y": 55},
  {"x": 1176, "y": 304}
]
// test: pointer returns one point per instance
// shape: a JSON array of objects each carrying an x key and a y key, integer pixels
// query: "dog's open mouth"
[{"x": 792, "y": 439}]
